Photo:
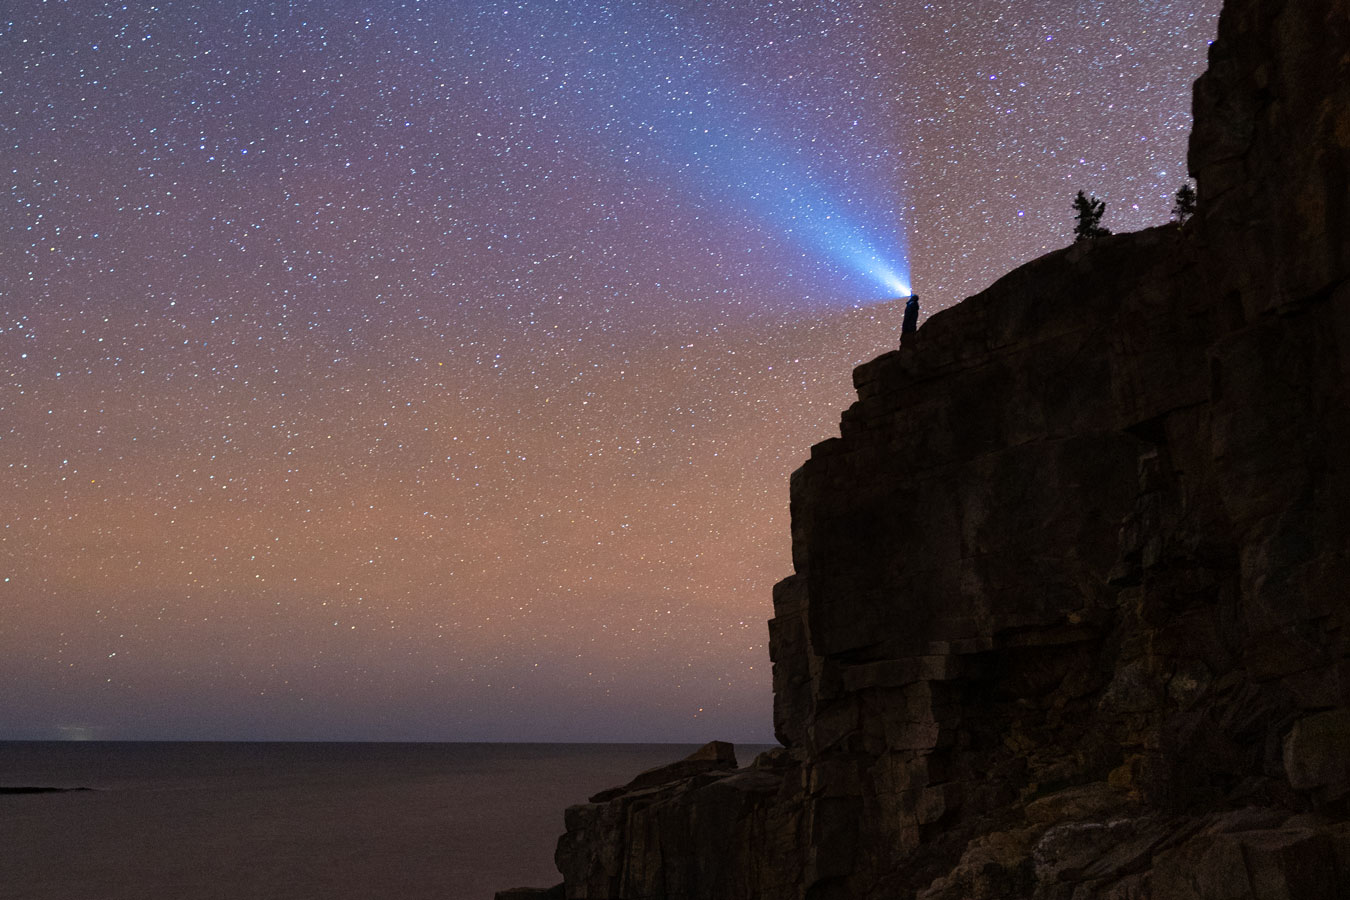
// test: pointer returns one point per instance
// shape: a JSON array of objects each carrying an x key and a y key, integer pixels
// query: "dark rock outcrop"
[
  {"x": 680, "y": 833},
  {"x": 1069, "y": 617},
  {"x": 556, "y": 892},
  {"x": 715, "y": 756}
]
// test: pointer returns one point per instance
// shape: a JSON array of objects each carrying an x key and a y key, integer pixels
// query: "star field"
[{"x": 435, "y": 370}]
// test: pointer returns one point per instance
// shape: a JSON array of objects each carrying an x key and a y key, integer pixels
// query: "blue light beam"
[{"x": 634, "y": 72}]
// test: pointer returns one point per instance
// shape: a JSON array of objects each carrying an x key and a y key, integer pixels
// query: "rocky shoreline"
[{"x": 1068, "y": 617}]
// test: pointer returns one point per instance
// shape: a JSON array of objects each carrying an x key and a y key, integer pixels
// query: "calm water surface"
[{"x": 218, "y": 821}]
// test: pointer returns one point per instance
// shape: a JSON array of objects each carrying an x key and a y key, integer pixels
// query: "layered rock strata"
[{"x": 1071, "y": 593}]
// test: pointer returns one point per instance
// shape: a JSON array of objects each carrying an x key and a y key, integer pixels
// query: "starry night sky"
[{"x": 434, "y": 371}]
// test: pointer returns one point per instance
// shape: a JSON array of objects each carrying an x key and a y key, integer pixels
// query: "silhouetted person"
[{"x": 910, "y": 323}]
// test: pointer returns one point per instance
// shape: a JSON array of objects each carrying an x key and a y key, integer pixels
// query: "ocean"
[{"x": 249, "y": 821}]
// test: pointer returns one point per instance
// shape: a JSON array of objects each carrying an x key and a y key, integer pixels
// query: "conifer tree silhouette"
[
  {"x": 1088, "y": 210},
  {"x": 1185, "y": 205}
]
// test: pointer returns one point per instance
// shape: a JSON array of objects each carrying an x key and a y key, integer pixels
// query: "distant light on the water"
[{"x": 77, "y": 732}]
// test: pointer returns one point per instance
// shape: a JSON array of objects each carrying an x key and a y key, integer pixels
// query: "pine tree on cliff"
[
  {"x": 1088, "y": 210},
  {"x": 1185, "y": 205}
]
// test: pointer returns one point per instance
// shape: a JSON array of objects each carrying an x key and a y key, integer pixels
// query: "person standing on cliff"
[{"x": 910, "y": 324}]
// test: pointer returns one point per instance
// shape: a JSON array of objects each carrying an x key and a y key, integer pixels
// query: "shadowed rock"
[
  {"x": 1069, "y": 616},
  {"x": 553, "y": 893},
  {"x": 714, "y": 756}
]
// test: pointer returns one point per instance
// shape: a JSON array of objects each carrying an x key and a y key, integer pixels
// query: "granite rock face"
[{"x": 1069, "y": 616}]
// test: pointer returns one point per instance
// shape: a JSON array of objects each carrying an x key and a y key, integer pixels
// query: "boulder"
[{"x": 1317, "y": 754}]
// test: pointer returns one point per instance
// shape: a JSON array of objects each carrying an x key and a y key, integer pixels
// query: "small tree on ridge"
[
  {"x": 1088, "y": 210},
  {"x": 1185, "y": 205}
]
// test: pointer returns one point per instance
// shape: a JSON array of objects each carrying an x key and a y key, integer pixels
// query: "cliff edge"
[{"x": 1069, "y": 612}]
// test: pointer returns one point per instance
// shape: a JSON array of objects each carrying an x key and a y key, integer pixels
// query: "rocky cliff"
[{"x": 1071, "y": 592}]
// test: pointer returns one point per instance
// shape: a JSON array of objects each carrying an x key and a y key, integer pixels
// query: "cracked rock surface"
[{"x": 1068, "y": 617}]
